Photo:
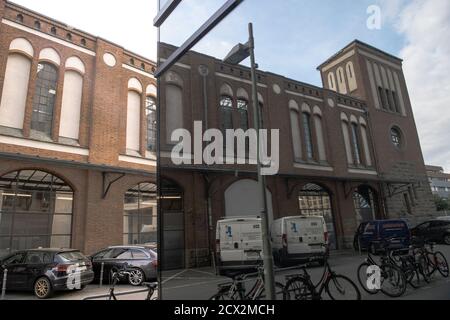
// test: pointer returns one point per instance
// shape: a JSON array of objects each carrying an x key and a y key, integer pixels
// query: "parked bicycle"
[
  {"x": 392, "y": 280},
  {"x": 337, "y": 287},
  {"x": 435, "y": 260},
  {"x": 237, "y": 289},
  {"x": 120, "y": 275}
]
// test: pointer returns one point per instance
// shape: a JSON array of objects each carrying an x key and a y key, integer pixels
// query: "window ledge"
[
  {"x": 313, "y": 166},
  {"x": 69, "y": 142},
  {"x": 13, "y": 132}
]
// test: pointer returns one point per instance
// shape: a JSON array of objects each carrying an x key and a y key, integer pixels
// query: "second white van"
[
  {"x": 296, "y": 239},
  {"x": 238, "y": 243}
]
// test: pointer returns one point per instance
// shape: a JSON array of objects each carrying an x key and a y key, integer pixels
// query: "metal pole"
[
  {"x": 267, "y": 247},
  {"x": 5, "y": 275},
  {"x": 102, "y": 270}
]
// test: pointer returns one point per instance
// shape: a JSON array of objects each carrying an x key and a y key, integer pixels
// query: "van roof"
[
  {"x": 238, "y": 219},
  {"x": 302, "y": 217}
]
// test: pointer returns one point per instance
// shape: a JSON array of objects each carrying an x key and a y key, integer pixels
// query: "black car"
[
  {"x": 45, "y": 271},
  {"x": 143, "y": 260},
  {"x": 436, "y": 230}
]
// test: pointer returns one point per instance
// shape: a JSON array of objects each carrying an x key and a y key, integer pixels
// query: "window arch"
[
  {"x": 309, "y": 147},
  {"x": 295, "y": 130},
  {"x": 356, "y": 143},
  {"x": 72, "y": 99},
  {"x": 350, "y": 69},
  {"x": 150, "y": 112},
  {"x": 53, "y": 31},
  {"x": 140, "y": 215},
  {"x": 332, "y": 81},
  {"x": 133, "y": 137},
  {"x": 396, "y": 137},
  {"x": 19, "y": 18},
  {"x": 50, "y": 55},
  {"x": 15, "y": 86},
  {"x": 319, "y": 134},
  {"x": 346, "y": 135},
  {"x": 37, "y": 25},
  {"x": 36, "y": 210},
  {"x": 341, "y": 81},
  {"x": 44, "y": 98},
  {"x": 174, "y": 109},
  {"x": 365, "y": 141},
  {"x": 69, "y": 37},
  {"x": 226, "y": 113}
]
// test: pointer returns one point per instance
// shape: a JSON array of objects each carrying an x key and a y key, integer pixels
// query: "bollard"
[
  {"x": 5, "y": 275},
  {"x": 101, "y": 274}
]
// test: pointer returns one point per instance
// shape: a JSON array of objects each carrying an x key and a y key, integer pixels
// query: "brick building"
[
  {"x": 439, "y": 181},
  {"x": 77, "y": 137},
  {"x": 348, "y": 151}
]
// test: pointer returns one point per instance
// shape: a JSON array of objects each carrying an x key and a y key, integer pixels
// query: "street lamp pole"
[{"x": 267, "y": 246}]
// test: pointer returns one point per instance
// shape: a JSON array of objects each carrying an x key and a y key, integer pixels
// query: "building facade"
[
  {"x": 348, "y": 151},
  {"x": 439, "y": 181},
  {"x": 77, "y": 137}
]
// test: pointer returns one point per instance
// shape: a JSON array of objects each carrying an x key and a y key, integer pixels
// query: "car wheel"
[
  {"x": 43, "y": 288},
  {"x": 447, "y": 239},
  {"x": 136, "y": 277}
]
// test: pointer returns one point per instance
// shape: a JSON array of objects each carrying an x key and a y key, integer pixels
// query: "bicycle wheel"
[
  {"x": 279, "y": 292},
  {"x": 426, "y": 267},
  {"x": 441, "y": 264},
  {"x": 342, "y": 288},
  {"x": 363, "y": 278},
  {"x": 298, "y": 288},
  {"x": 225, "y": 295},
  {"x": 393, "y": 282}
]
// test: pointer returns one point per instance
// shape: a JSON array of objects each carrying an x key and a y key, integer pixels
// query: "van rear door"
[
  {"x": 305, "y": 235},
  {"x": 230, "y": 241},
  {"x": 251, "y": 240}
]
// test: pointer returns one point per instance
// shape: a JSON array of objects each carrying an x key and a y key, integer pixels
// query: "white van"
[
  {"x": 299, "y": 238},
  {"x": 238, "y": 241}
]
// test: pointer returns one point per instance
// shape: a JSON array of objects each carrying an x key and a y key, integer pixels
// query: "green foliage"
[{"x": 442, "y": 204}]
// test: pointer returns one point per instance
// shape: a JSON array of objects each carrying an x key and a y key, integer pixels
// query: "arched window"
[
  {"x": 174, "y": 111},
  {"x": 295, "y": 130},
  {"x": 150, "y": 111},
  {"x": 320, "y": 137},
  {"x": 396, "y": 137},
  {"x": 19, "y": 18},
  {"x": 69, "y": 36},
  {"x": 346, "y": 134},
  {"x": 355, "y": 141},
  {"x": 341, "y": 81},
  {"x": 15, "y": 86},
  {"x": 72, "y": 99},
  {"x": 44, "y": 98},
  {"x": 242, "y": 106},
  {"x": 306, "y": 120},
  {"x": 332, "y": 81},
  {"x": 83, "y": 42},
  {"x": 351, "y": 76},
  {"x": 35, "y": 211},
  {"x": 226, "y": 113},
  {"x": 134, "y": 116},
  {"x": 37, "y": 25},
  {"x": 140, "y": 215},
  {"x": 365, "y": 141},
  {"x": 53, "y": 31}
]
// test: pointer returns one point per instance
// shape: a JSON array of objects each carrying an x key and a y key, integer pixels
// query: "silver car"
[{"x": 143, "y": 260}]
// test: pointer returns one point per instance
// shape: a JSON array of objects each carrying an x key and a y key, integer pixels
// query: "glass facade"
[
  {"x": 35, "y": 211},
  {"x": 315, "y": 201},
  {"x": 44, "y": 98},
  {"x": 140, "y": 217}
]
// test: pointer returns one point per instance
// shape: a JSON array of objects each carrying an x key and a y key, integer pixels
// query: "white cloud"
[{"x": 426, "y": 27}]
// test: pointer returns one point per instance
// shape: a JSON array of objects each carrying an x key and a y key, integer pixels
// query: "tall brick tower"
[{"x": 364, "y": 72}]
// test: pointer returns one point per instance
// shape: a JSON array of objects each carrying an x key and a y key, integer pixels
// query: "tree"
[{"x": 442, "y": 204}]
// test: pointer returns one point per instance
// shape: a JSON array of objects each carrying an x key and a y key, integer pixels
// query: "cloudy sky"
[{"x": 293, "y": 37}]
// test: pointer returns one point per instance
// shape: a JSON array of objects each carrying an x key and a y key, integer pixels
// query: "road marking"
[
  {"x": 194, "y": 284},
  {"x": 204, "y": 272},
  {"x": 174, "y": 276}
]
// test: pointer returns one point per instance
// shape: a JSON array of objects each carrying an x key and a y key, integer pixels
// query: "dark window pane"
[
  {"x": 308, "y": 135},
  {"x": 5, "y": 224},
  {"x": 151, "y": 123}
]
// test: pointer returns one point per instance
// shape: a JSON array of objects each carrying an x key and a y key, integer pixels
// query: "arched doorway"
[
  {"x": 365, "y": 202},
  {"x": 36, "y": 209},
  {"x": 140, "y": 218},
  {"x": 316, "y": 201},
  {"x": 173, "y": 233},
  {"x": 243, "y": 199}
]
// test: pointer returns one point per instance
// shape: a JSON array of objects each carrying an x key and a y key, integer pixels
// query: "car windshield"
[{"x": 71, "y": 256}]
